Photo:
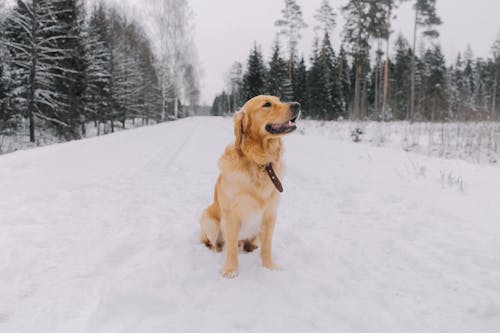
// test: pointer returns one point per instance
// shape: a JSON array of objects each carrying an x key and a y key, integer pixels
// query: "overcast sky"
[{"x": 227, "y": 29}]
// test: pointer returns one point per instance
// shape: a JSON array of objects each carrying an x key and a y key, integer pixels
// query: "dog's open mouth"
[{"x": 283, "y": 128}]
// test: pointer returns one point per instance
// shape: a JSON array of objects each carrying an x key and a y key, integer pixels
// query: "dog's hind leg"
[{"x": 210, "y": 230}]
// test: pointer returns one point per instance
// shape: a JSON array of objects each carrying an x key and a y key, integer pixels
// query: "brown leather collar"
[{"x": 274, "y": 178}]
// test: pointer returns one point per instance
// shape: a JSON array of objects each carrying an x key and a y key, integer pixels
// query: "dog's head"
[{"x": 265, "y": 117}]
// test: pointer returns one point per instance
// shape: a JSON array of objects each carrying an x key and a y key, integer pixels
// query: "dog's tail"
[{"x": 210, "y": 229}]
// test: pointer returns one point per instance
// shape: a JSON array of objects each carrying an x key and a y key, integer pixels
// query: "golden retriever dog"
[{"x": 247, "y": 192}]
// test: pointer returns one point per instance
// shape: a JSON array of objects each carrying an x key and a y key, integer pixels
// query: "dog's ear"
[{"x": 240, "y": 126}]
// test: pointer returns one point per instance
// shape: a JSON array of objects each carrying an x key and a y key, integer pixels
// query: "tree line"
[
  {"x": 361, "y": 80},
  {"x": 62, "y": 68}
]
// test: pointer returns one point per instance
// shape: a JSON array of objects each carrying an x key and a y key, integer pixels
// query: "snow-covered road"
[{"x": 101, "y": 235}]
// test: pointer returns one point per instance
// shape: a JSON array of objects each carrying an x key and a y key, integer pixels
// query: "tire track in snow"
[
  {"x": 122, "y": 255},
  {"x": 160, "y": 154}
]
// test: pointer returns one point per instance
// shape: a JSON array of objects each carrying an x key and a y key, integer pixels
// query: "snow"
[
  {"x": 101, "y": 235},
  {"x": 477, "y": 142}
]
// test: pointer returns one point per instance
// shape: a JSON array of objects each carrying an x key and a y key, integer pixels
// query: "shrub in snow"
[{"x": 356, "y": 134}]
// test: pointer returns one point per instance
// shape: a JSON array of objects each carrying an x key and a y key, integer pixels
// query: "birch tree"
[{"x": 174, "y": 31}]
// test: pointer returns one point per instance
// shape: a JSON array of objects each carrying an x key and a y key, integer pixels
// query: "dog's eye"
[{"x": 267, "y": 105}]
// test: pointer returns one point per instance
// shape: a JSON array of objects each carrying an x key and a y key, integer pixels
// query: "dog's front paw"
[
  {"x": 229, "y": 272},
  {"x": 270, "y": 265}
]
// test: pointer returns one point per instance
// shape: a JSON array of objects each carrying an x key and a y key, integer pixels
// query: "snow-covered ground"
[
  {"x": 101, "y": 235},
  {"x": 477, "y": 142}
]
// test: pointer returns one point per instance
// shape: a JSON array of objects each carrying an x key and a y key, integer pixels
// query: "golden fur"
[{"x": 245, "y": 199}]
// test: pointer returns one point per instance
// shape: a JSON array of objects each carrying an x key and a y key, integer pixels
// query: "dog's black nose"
[{"x": 294, "y": 106}]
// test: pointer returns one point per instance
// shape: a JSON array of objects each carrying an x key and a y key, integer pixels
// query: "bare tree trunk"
[
  {"x": 386, "y": 68},
  {"x": 34, "y": 50},
  {"x": 433, "y": 115},
  {"x": 413, "y": 69},
  {"x": 377, "y": 78},
  {"x": 362, "y": 102},
  {"x": 163, "y": 99},
  {"x": 176, "y": 109},
  {"x": 494, "y": 101},
  {"x": 357, "y": 94},
  {"x": 31, "y": 104}
]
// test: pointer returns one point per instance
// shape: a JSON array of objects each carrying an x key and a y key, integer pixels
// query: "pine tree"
[
  {"x": 300, "y": 83},
  {"x": 277, "y": 75},
  {"x": 401, "y": 85},
  {"x": 378, "y": 28},
  {"x": 323, "y": 89},
  {"x": 126, "y": 72},
  {"x": 426, "y": 17},
  {"x": 495, "y": 77},
  {"x": 123, "y": 81},
  {"x": 315, "y": 82},
  {"x": 4, "y": 115},
  {"x": 468, "y": 84},
  {"x": 326, "y": 17},
  {"x": 390, "y": 7},
  {"x": 98, "y": 92},
  {"x": 375, "y": 90},
  {"x": 344, "y": 78},
  {"x": 290, "y": 26},
  {"x": 69, "y": 68},
  {"x": 434, "y": 99},
  {"x": 255, "y": 74},
  {"x": 337, "y": 102},
  {"x": 32, "y": 35},
  {"x": 419, "y": 87},
  {"x": 221, "y": 105},
  {"x": 364, "y": 19},
  {"x": 235, "y": 82},
  {"x": 457, "y": 87},
  {"x": 287, "y": 90},
  {"x": 215, "y": 110},
  {"x": 332, "y": 67},
  {"x": 149, "y": 93},
  {"x": 482, "y": 83}
]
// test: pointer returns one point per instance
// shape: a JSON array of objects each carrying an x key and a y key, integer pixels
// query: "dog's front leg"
[
  {"x": 232, "y": 226},
  {"x": 266, "y": 240}
]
